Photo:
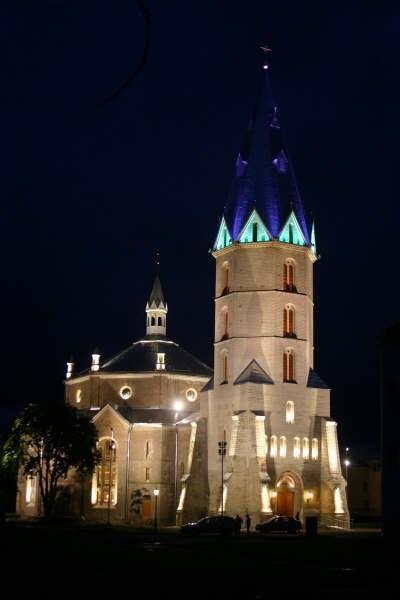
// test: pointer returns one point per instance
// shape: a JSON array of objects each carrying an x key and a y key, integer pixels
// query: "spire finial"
[{"x": 265, "y": 48}]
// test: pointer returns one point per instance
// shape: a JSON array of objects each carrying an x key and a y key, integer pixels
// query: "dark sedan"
[
  {"x": 224, "y": 525},
  {"x": 279, "y": 524}
]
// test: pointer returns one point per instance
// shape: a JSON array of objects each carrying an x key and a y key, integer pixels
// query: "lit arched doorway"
[{"x": 285, "y": 496}]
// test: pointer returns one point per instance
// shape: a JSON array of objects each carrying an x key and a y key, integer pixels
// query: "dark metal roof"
[
  {"x": 141, "y": 357},
  {"x": 156, "y": 295},
  {"x": 209, "y": 385},
  {"x": 315, "y": 381},
  {"x": 151, "y": 415},
  {"x": 253, "y": 373},
  {"x": 264, "y": 177}
]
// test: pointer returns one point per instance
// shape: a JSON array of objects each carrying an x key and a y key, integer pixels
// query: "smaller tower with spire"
[{"x": 156, "y": 311}]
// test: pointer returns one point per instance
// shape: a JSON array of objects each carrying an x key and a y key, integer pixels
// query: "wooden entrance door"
[{"x": 285, "y": 503}]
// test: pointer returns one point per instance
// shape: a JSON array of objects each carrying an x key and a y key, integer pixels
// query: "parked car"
[
  {"x": 279, "y": 524},
  {"x": 219, "y": 524}
]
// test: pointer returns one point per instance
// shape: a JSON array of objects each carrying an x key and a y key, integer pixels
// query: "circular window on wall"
[
  {"x": 191, "y": 394},
  {"x": 125, "y": 392}
]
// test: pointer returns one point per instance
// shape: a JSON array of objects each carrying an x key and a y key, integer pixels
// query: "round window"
[
  {"x": 125, "y": 392},
  {"x": 191, "y": 395}
]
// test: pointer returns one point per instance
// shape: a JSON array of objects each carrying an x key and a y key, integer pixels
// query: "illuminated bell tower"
[
  {"x": 156, "y": 311},
  {"x": 266, "y": 399}
]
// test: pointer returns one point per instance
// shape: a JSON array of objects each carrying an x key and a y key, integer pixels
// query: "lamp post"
[
  {"x": 111, "y": 448},
  {"x": 222, "y": 452},
  {"x": 346, "y": 464},
  {"x": 156, "y": 494}
]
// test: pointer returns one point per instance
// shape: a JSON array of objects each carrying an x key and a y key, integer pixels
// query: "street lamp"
[
  {"x": 346, "y": 464},
  {"x": 222, "y": 452},
  {"x": 156, "y": 494},
  {"x": 111, "y": 448}
]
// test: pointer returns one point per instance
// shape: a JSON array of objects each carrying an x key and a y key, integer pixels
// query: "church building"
[{"x": 255, "y": 435}]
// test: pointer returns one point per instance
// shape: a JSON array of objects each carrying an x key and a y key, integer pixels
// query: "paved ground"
[{"x": 357, "y": 562}]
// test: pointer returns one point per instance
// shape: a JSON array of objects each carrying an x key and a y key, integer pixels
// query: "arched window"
[
  {"x": 105, "y": 476},
  {"x": 225, "y": 335},
  {"x": 225, "y": 278},
  {"x": 224, "y": 369},
  {"x": 148, "y": 321},
  {"x": 288, "y": 321},
  {"x": 282, "y": 446},
  {"x": 255, "y": 232},
  {"x": 273, "y": 447},
  {"x": 306, "y": 448},
  {"x": 153, "y": 321},
  {"x": 288, "y": 366},
  {"x": 296, "y": 447},
  {"x": 288, "y": 276},
  {"x": 314, "y": 449},
  {"x": 159, "y": 321},
  {"x": 289, "y": 411}
]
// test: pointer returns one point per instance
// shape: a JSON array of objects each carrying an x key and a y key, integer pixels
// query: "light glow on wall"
[
  {"x": 306, "y": 448},
  {"x": 274, "y": 446},
  {"x": 282, "y": 446},
  {"x": 30, "y": 490},
  {"x": 261, "y": 446},
  {"x": 78, "y": 396},
  {"x": 314, "y": 449},
  {"x": 337, "y": 499},
  {"x": 265, "y": 501},
  {"x": 191, "y": 444},
  {"x": 296, "y": 447},
  {"x": 224, "y": 497},
  {"x": 333, "y": 451},
  {"x": 234, "y": 434},
  {"x": 182, "y": 499},
  {"x": 289, "y": 412}
]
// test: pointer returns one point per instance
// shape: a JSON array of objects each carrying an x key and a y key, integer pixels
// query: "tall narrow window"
[
  {"x": 314, "y": 449},
  {"x": 288, "y": 277},
  {"x": 226, "y": 325},
  {"x": 282, "y": 446},
  {"x": 288, "y": 321},
  {"x": 148, "y": 451},
  {"x": 147, "y": 474},
  {"x": 225, "y": 275},
  {"x": 255, "y": 232},
  {"x": 153, "y": 321},
  {"x": 224, "y": 369},
  {"x": 159, "y": 322},
  {"x": 289, "y": 412},
  {"x": 273, "y": 446},
  {"x": 306, "y": 448},
  {"x": 288, "y": 366},
  {"x": 296, "y": 447},
  {"x": 105, "y": 476}
]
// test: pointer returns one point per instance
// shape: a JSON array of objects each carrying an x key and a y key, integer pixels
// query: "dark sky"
[{"x": 90, "y": 191}]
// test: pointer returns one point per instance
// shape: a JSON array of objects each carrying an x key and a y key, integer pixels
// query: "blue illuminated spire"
[{"x": 264, "y": 179}]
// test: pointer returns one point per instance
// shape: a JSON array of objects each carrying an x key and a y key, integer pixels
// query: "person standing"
[
  {"x": 238, "y": 524},
  {"x": 248, "y": 522}
]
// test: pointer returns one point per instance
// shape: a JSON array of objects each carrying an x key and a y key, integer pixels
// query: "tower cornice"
[{"x": 296, "y": 248}]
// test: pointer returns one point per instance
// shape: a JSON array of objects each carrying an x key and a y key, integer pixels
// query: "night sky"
[{"x": 91, "y": 190}]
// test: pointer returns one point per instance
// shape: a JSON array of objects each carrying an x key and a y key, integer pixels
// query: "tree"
[{"x": 47, "y": 441}]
